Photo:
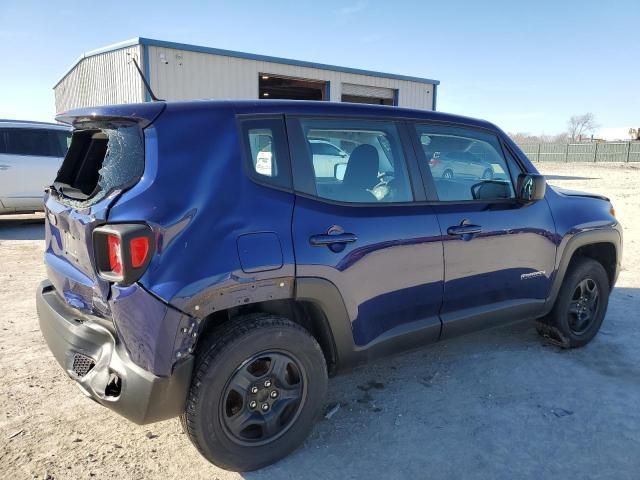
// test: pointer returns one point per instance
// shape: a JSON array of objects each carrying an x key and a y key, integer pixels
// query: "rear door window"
[
  {"x": 374, "y": 170},
  {"x": 34, "y": 142},
  {"x": 464, "y": 164},
  {"x": 320, "y": 147}
]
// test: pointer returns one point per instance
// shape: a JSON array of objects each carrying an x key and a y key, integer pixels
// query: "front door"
[
  {"x": 499, "y": 254},
  {"x": 361, "y": 229}
]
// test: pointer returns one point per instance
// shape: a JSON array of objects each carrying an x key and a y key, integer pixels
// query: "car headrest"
[{"x": 362, "y": 168}]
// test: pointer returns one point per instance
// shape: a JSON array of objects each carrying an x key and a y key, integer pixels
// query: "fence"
[{"x": 583, "y": 152}]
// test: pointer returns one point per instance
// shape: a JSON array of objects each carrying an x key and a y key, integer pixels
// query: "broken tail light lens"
[
  {"x": 115, "y": 254},
  {"x": 123, "y": 251}
]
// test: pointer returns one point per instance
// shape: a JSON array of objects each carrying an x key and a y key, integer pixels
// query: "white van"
[{"x": 30, "y": 155}]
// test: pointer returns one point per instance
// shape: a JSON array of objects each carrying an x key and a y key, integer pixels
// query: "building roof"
[{"x": 246, "y": 56}]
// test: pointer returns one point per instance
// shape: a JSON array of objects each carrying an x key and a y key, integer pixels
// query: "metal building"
[{"x": 178, "y": 71}]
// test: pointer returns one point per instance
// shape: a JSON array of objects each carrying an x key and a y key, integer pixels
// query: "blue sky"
[{"x": 527, "y": 66}]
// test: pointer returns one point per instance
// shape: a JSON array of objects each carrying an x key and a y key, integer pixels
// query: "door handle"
[
  {"x": 335, "y": 239},
  {"x": 465, "y": 229},
  {"x": 325, "y": 239}
]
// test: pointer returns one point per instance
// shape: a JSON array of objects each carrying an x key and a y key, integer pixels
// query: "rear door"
[
  {"x": 29, "y": 161},
  {"x": 499, "y": 254},
  {"x": 363, "y": 229}
]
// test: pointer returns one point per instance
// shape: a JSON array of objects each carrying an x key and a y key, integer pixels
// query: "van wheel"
[
  {"x": 448, "y": 173},
  {"x": 487, "y": 174},
  {"x": 259, "y": 385},
  {"x": 580, "y": 307}
]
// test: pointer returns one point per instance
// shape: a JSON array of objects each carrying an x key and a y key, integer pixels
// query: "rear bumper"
[{"x": 88, "y": 350}]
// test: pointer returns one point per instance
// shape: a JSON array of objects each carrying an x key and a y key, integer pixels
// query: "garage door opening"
[
  {"x": 287, "y": 88},
  {"x": 371, "y": 100},
  {"x": 367, "y": 94}
]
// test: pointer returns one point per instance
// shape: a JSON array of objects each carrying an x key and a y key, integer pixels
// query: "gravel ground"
[{"x": 495, "y": 404}]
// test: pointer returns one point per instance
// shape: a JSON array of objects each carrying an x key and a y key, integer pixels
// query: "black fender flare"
[
  {"x": 568, "y": 247},
  {"x": 326, "y": 296}
]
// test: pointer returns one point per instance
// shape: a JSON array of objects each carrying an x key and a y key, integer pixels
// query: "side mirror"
[
  {"x": 339, "y": 170},
  {"x": 531, "y": 187}
]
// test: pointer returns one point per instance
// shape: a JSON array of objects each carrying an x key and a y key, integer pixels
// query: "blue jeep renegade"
[{"x": 218, "y": 260}]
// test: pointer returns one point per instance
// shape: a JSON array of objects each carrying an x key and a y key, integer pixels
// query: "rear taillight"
[
  {"x": 433, "y": 162},
  {"x": 139, "y": 251},
  {"x": 123, "y": 251},
  {"x": 115, "y": 254}
]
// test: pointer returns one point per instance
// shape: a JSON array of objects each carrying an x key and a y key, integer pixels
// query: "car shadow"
[
  {"x": 22, "y": 227},
  {"x": 494, "y": 403}
]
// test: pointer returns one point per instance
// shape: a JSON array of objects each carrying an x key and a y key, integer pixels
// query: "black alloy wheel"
[
  {"x": 584, "y": 306},
  {"x": 263, "y": 398}
]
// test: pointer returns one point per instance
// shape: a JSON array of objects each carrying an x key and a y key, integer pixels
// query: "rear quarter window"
[{"x": 265, "y": 150}]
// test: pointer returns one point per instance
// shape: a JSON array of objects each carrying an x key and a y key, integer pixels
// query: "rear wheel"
[
  {"x": 258, "y": 387},
  {"x": 448, "y": 173},
  {"x": 487, "y": 174},
  {"x": 580, "y": 307}
]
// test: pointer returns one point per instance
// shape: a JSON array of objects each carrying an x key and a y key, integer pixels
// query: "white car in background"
[
  {"x": 326, "y": 156},
  {"x": 30, "y": 155}
]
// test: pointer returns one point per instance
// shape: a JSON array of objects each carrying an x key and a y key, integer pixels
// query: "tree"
[
  {"x": 581, "y": 125},
  {"x": 525, "y": 138}
]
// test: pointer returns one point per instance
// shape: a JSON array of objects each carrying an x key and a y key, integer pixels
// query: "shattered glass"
[
  {"x": 124, "y": 160},
  {"x": 123, "y": 164}
]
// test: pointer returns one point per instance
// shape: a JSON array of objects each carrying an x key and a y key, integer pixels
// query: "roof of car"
[
  {"x": 4, "y": 122},
  {"x": 151, "y": 110}
]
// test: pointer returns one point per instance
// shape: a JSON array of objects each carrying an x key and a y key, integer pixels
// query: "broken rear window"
[{"x": 100, "y": 161}]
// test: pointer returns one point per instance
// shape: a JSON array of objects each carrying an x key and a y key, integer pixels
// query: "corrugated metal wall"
[
  {"x": 182, "y": 75},
  {"x": 103, "y": 79}
]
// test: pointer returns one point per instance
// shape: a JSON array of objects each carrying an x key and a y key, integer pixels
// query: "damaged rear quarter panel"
[
  {"x": 198, "y": 199},
  {"x": 146, "y": 326}
]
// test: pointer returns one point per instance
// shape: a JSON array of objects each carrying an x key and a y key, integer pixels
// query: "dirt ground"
[{"x": 495, "y": 404}]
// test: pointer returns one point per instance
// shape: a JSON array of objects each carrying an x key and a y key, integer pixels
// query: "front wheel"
[
  {"x": 580, "y": 307},
  {"x": 259, "y": 385},
  {"x": 487, "y": 174}
]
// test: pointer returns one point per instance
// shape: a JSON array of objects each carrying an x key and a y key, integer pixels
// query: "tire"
[
  {"x": 233, "y": 368},
  {"x": 448, "y": 173},
  {"x": 573, "y": 322},
  {"x": 487, "y": 174}
]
